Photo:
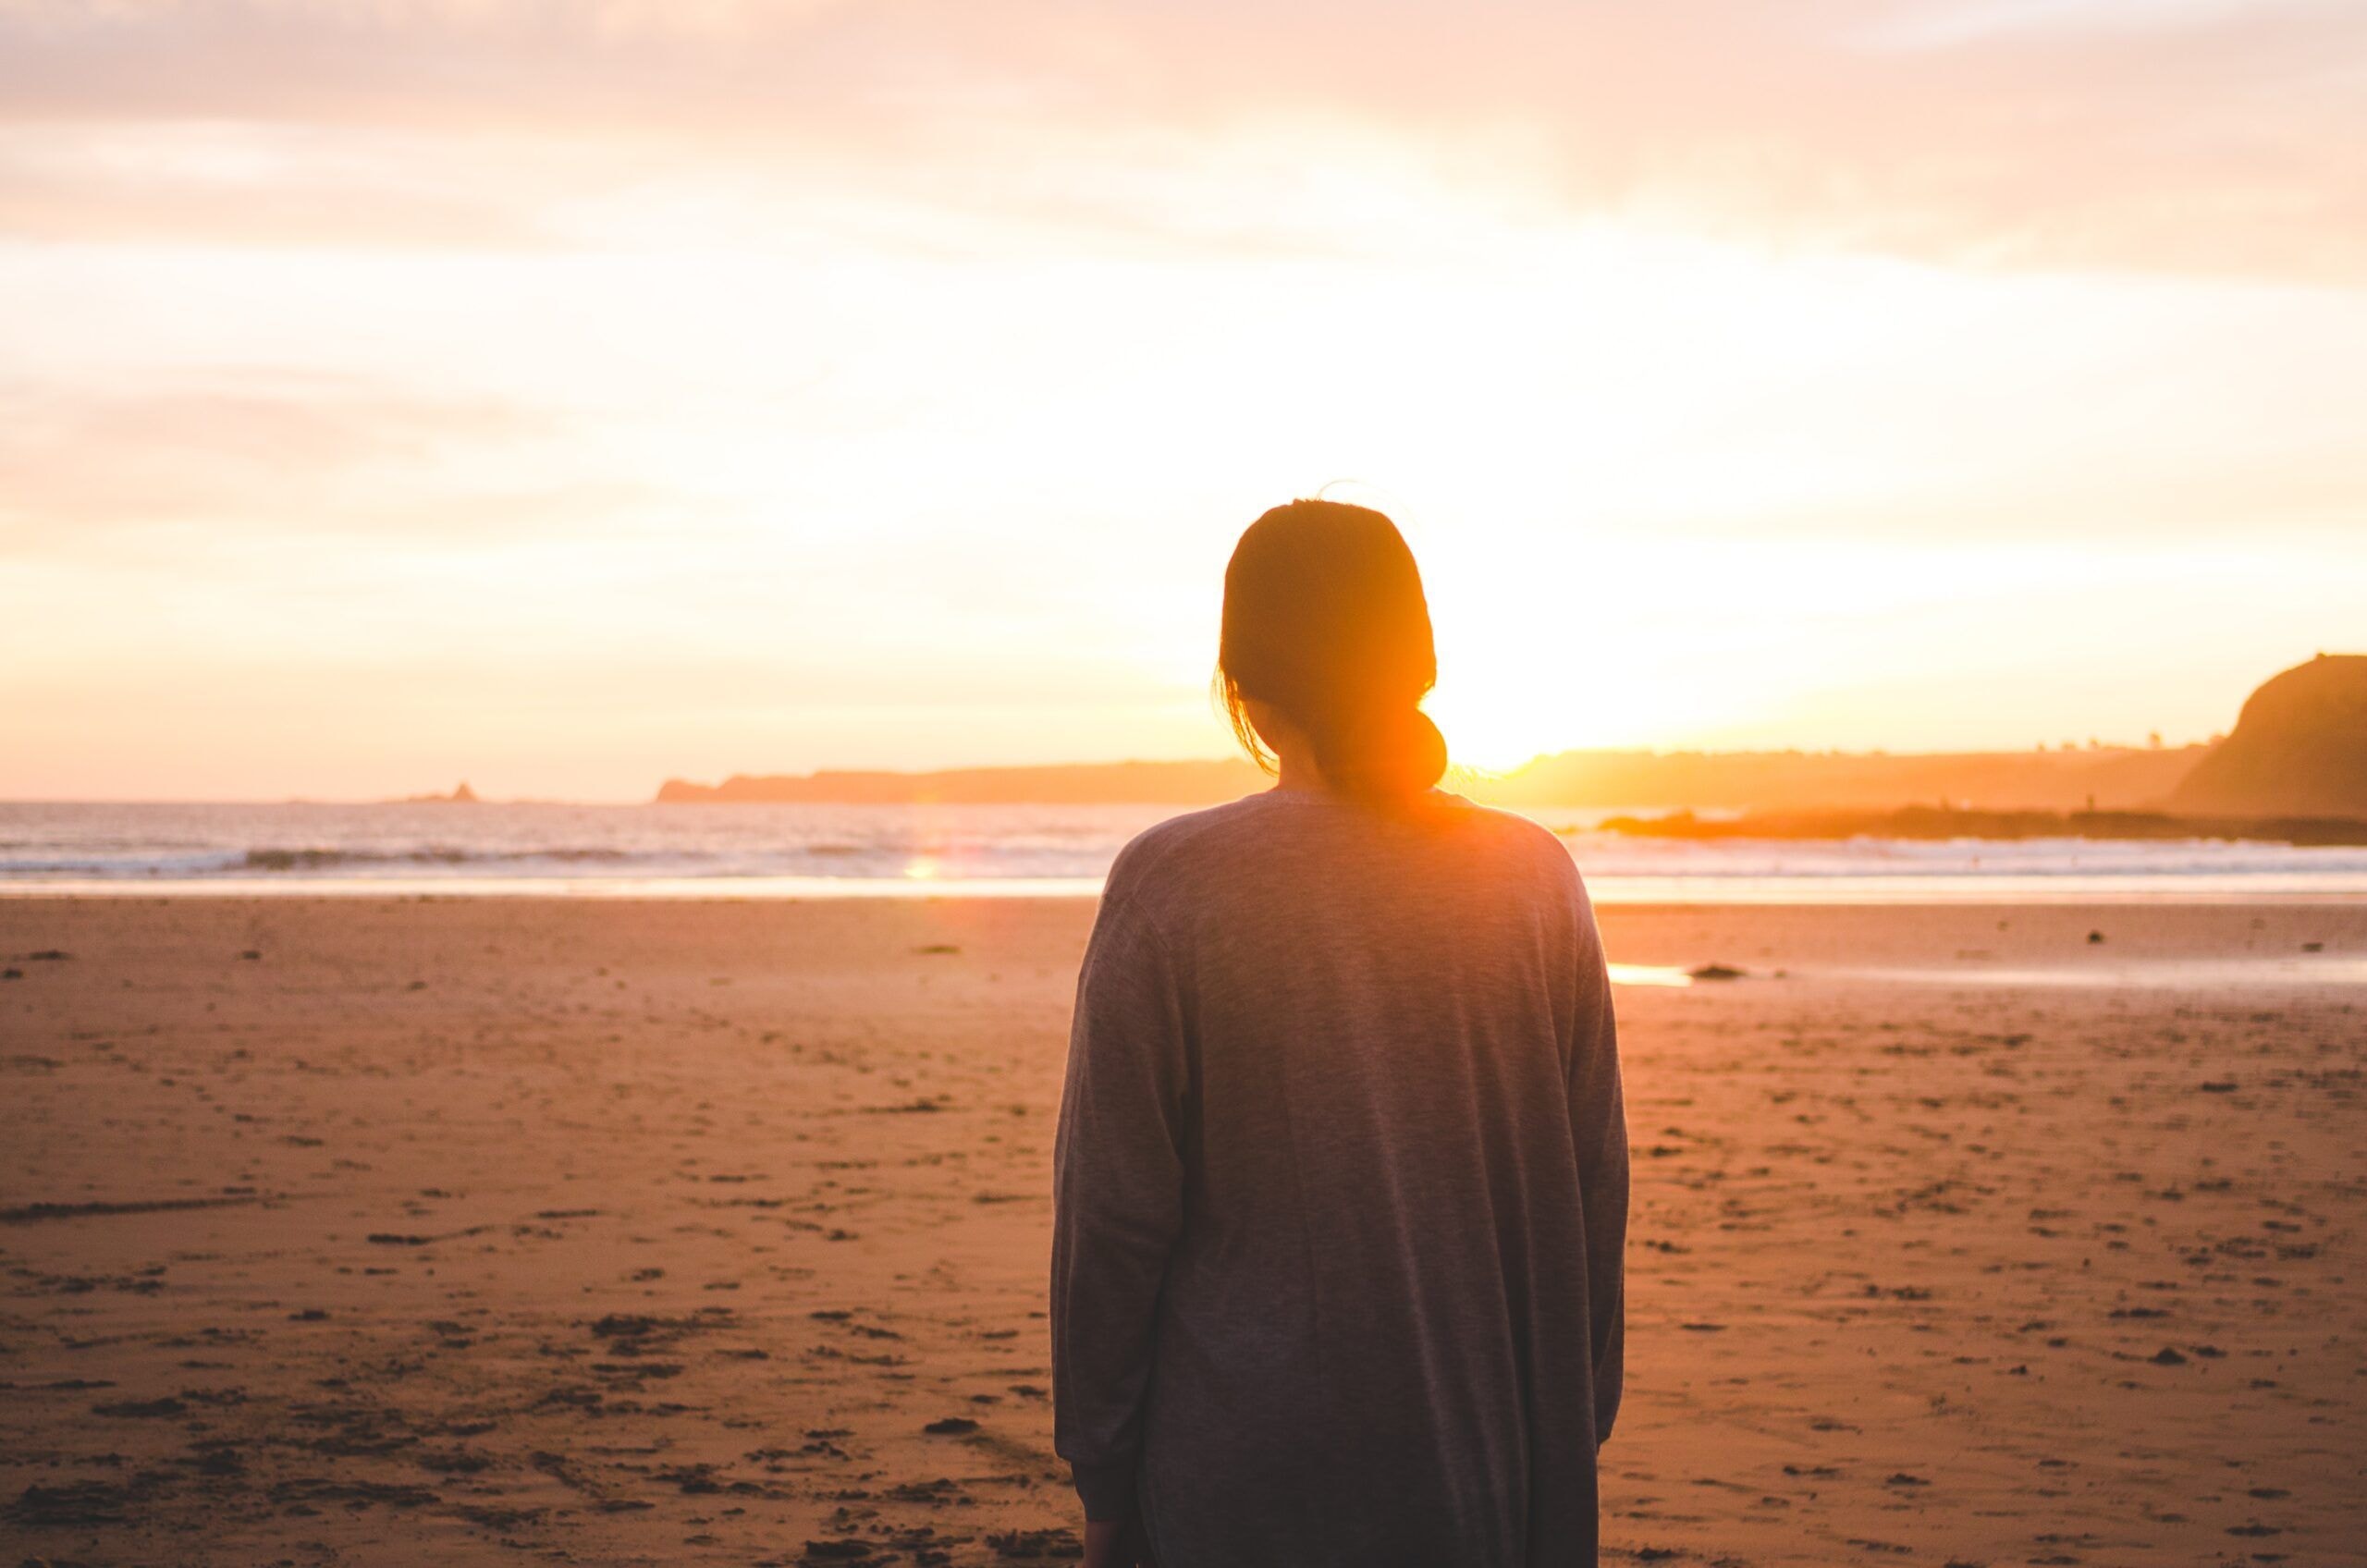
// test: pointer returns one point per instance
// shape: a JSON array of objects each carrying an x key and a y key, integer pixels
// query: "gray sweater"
[{"x": 1341, "y": 1190}]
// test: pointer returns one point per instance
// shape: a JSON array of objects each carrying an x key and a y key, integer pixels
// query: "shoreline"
[
  {"x": 1836, "y": 892},
  {"x": 2196, "y": 945}
]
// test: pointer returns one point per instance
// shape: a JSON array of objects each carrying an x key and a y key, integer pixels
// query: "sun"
[
  {"x": 1511, "y": 699},
  {"x": 1488, "y": 734}
]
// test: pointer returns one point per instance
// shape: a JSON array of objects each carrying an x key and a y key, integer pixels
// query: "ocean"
[{"x": 904, "y": 851}]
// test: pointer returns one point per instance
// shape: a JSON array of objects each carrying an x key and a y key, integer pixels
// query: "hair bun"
[
  {"x": 1389, "y": 750},
  {"x": 1431, "y": 744}
]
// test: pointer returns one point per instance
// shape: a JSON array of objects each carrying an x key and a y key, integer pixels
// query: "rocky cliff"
[{"x": 2299, "y": 748}]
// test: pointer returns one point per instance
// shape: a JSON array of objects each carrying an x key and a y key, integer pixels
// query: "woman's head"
[{"x": 1325, "y": 626}]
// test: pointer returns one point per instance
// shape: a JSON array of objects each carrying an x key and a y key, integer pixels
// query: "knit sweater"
[{"x": 1340, "y": 1191}]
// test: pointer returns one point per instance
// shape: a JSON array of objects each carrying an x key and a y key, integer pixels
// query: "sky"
[{"x": 566, "y": 395}]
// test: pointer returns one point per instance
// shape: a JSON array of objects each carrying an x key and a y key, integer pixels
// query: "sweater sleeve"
[
  {"x": 1599, "y": 1129},
  {"x": 1117, "y": 1202}
]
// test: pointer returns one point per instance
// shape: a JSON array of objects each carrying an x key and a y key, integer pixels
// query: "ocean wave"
[
  {"x": 295, "y": 846},
  {"x": 273, "y": 859},
  {"x": 1620, "y": 855}
]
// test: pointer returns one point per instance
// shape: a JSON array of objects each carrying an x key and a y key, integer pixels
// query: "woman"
[{"x": 1341, "y": 1179}]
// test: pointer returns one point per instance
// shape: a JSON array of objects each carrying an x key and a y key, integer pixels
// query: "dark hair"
[{"x": 1325, "y": 619}]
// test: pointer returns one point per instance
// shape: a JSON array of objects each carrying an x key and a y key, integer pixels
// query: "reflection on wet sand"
[{"x": 2182, "y": 974}]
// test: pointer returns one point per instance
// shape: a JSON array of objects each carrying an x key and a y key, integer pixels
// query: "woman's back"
[{"x": 1342, "y": 1190}]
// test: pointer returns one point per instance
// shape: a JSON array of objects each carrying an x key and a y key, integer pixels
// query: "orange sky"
[{"x": 566, "y": 395}]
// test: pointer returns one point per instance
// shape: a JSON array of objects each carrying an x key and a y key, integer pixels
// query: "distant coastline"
[
  {"x": 1116, "y": 783},
  {"x": 461, "y": 795},
  {"x": 2294, "y": 770},
  {"x": 2108, "y": 777}
]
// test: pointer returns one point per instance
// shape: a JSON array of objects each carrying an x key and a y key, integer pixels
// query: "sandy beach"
[{"x": 398, "y": 1230}]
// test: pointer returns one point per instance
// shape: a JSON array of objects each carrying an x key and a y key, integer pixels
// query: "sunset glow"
[
  {"x": 633, "y": 923},
  {"x": 567, "y": 397}
]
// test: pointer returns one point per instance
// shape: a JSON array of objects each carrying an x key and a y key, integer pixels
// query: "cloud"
[
  {"x": 2191, "y": 137},
  {"x": 131, "y": 183},
  {"x": 258, "y": 455},
  {"x": 1945, "y": 25}
]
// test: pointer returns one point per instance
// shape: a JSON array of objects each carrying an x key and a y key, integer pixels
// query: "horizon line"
[{"x": 1468, "y": 771}]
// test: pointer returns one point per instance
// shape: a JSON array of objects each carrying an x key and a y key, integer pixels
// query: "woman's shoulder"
[
  {"x": 1152, "y": 857},
  {"x": 1169, "y": 858},
  {"x": 1512, "y": 838}
]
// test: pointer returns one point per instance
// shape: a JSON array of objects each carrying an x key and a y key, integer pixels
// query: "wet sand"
[{"x": 477, "y": 1231}]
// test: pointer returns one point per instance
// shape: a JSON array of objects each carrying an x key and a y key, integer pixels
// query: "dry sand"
[{"x": 398, "y": 1230}]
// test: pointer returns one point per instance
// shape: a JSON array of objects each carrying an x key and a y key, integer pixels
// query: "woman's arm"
[
  {"x": 1599, "y": 1128},
  {"x": 1113, "y": 1543},
  {"x": 1118, "y": 1203}
]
